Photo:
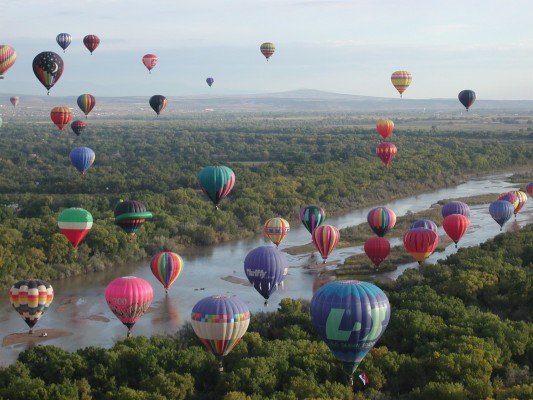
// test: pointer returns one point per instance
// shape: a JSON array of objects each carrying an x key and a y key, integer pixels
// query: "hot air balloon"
[
  {"x": 455, "y": 226},
  {"x": 61, "y": 116},
  {"x": 425, "y": 223},
  {"x": 158, "y": 103},
  {"x": 467, "y": 98},
  {"x": 267, "y": 49},
  {"x": 311, "y": 217},
  {"x": 78, "y": 127},
  {"x": 377, "y": 249},
  {"x": 455, "y": 207},
  {"x": 75, "y": 223},
  {"x": 220, "y": 322},
  {"x": 385, "y": 127},
  {"x": 529, "y": 188},
  {"x": 264, "y": 267},
  {"x": 14, "y": 100},
  {"x": 86, "y": 103},
  {"x": 82, "y": 158},
  {"x": 166, "y": 267},
  {"x": 511, "y": 197},
  {"x": 31, "y": 298},
  {"x": 325, "y": 239},
  {"x": 210, "y": 81},
  {"x": 276, "y": 229},
  {"x": 128, "y": 298},
  {"x": 48, "y": 68},
  {"x": 216, "y": 182},
  {"x": 401, "y": 80},
  {"x": 522, "y": 199},
  {"x": 91, "y": 42},
  {"x": 130, "y": 215},
  {"x": 381, "y": 220},
  {"x": 150, "y": 61},
  {"x": 8, "y": 56},
  {"x": 350, "y": 317},
  {"x": 64, "y": 40},
  {"x": 386, "y": 151},
  {"x": 501, "y": 211},
  {"x": 420, "y": 243}
]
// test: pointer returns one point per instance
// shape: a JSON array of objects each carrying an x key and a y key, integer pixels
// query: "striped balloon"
[
  {"x": 75, "y": 223},
  {"x": 420, "y": 243},
  {"x": 64, "y": 40},
  {"x": 220, "y": 322},
  {"x": 267, "y": 49},
  {"x": 166, "y": 267},
  {"x": 325, "y": 239},
  {"x": 425, "y": 223},
  {"x": 91, "y": 42},
  {"x": 381, "y": 220},
  {"x": 31, "y": 298},
  {"x": 276, "y": 229},
  {"x": 216, "y": 182},
  {"x": 386, "y": 152},
  {"x": 401, "y": 80},
  {"x": 86, "y": 103},
  {"x": 312, "y": 217},
  {"x": 61, "y": 116},
  {"x": 8, "y": 56},
  {"x": 522, "y": 199}
]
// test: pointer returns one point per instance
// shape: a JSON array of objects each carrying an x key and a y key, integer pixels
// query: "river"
[{"x": 79, "y": 306}]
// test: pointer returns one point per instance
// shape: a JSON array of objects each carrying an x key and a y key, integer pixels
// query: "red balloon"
[
  {"x": 455, "y": 226},
  {"x": 61, "y": 116},
  {"x": 150, "y": 61},
  {"x": 91, "y": 42},
  {"x": 386, "y": 151},
  {"x": 377, "y": 249},
  {"x": 420, "y": 243},
  {"x": 385, "y": 127}
]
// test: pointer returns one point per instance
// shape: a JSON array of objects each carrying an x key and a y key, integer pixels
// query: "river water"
[{"x": 79, "y": 306}]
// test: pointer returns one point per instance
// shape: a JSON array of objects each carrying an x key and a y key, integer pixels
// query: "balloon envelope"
[
  {"x": 455, "y": 226},
  {"x": 78, "y": 127},
  {"x": 325, "y": 239},
  {"x": 420, "y": 243},
  {"x": 501, "y": 211},
  {"x": 86, "y": 103},
  {"x": 511, "y": 197},
  {"x": 158, "y": 103},
  {"x": 350, "y": 317},
  {"x": 216, "y": 182},
  {"x": 61, "y": 116},
  {"x": 467, "y": 98},
  {"x": 455, "y": 207},
  {"x": 14, "y": 100},
  {"x": 377, "y": 249},
  {"x": 130, "y": 215},
  {"x": 128, "y": 298},
  {"x": 385, "y": 127},
  {"x": 210, "y": 81},
  {"x": 31, "y": 298},
  {"x": 48, "y": 68},
  {"x": 64, "y": 40},
  {"x": 75, "y": 223},
  {"x": 267, "y": 49},
  {"x": 401, "y": 80},
  {"x": 522, "y": 199},
  {"x": 82, "y": 158},
  {"x": 166, "y": 267},
  {"x": 386, "y": 151},
  {"x": 425, "y": 223},
  {"x": 91, "y": 42},
  {"x": 276, "y": 229},
  {"x": 265, "y": 267},
  {"x": 220, "y": 322},
  {"x": 312, "y": 217},
  {"x": 8, "y": 56},
  {"x": 381, "y": 220},
  {"x": 150, "y": 61}
]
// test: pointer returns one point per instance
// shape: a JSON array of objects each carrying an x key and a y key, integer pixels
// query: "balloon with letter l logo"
[{"x": 350, "y": 317}]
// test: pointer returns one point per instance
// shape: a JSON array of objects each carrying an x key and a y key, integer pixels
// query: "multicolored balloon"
[
  {"x": 64, "y": 40},
  {"x": 522, "y": 199},
  {"x": 501, "y": 211},
  {"x": 210, "y": 81},
  {"x": 220, "y": 322},
  {"x": 267, "y": 49},
  {"x": 265, "y": 268},
  {"x": 78, "y": 127},
  {"x": 377, "y": 249},
  {"x": 276, "y": 229},
  {"x": 350, "y": 317},
  {"x": 467, "y": 98},
  {"x": 158, "y": 103},
  {"x": 385, "y": 127},
  {"x": 166, "y": 267},
  {"x": 425, "y": 223},
  {"x": 86, "y": 103},
  {"x": 128, "y": 298},
  {"x": 82, "y": 158},
  {"x": 150, "y": 61},
  {"x": 386, "y": 151},
  {"x": 48, "y": 68},
  {"x": 455, "y": 226},
  {"x": 61, "y": 116},
  {"x": 8, "y": 56},
  {"x": 75, "y": 223},
  {"x": 91, "y": 42},
  {"x": 325, "y": 239},
  {"x": 401, "y": 80},
  {"x": 130, "y": 215},
  {"x": 420, "y": 243},
  {"x": 312, "y": 217},
  {"x": 31, "y": 298},
  {"x": 381, "y": 220},
  {"x": 14, "y": 100},
  {"x": 216, "y": 182},
  {"x": 512, "y": 198},
  {"x": 455, "y": 207}
]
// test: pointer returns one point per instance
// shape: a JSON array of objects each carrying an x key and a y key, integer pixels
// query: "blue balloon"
[
  {"x": 64, "y": 40},
  {"x": 82, "y": 158},
  {"x": 350, "y": 317},
  {"x": 501, "y": 211},
  {"x": 210, "y": 81},
  {"x": 425, "y": 223},
  {"x": 455, "y": 207},
  {"x": 265, "y": 268}
]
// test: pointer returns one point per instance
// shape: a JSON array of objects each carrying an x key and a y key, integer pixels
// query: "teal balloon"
[{"x": 216, "y": 182}]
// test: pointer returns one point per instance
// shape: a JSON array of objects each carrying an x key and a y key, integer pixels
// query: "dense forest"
[
  {"x": 459, "y": 329},
  {"x": 280, "y": 165}
]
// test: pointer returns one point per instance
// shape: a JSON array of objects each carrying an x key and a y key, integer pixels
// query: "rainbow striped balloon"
[
  {"x": 401, "y": 80},
  {"x": 276, "y": 229},
  {"x": 166, "y": 267},
  {"x": 325, "y": 239},
  {"x": 8, "y": 56}
]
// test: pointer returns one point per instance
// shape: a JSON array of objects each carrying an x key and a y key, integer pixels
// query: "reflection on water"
[{"x": 79, "y": 305}]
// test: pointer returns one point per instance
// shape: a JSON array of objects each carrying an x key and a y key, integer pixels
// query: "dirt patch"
[{"x": 36, "y": 337}]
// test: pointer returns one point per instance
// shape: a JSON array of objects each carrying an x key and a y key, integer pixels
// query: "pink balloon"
[{"x": 129, "y": 298}]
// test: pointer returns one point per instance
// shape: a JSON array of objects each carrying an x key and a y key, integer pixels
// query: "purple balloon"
[
  {"x": 265, "y": 268},
  {"x": 455, "y": 207},
  {"x": 425, "y": 223}
]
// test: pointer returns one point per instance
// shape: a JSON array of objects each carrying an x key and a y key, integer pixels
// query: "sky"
[{"x": 341, "y": 46}]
